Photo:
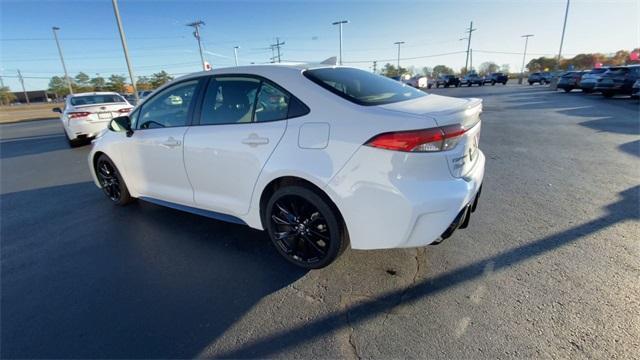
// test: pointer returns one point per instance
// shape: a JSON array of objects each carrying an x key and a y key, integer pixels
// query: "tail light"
[
  {"x": 124, "y": 110},
  {"x": 78, "y": 114},
  {"x": 425, "y": 140}
]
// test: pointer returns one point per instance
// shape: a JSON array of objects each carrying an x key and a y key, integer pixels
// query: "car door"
[
  {"x": 241, "y": 121},
  {"x": 154, "y": 152}
]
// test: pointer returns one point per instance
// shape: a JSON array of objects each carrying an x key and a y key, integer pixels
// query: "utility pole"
[
  {"x": 564, "y": 26},
  {"x": 235, "y": 53},
  {"x": 340, "y": 23},
  {"x": 123, "y": 39},
  {"x": 277, "y": 46},
  {"x": 471, "y": 59},
  {"x": 26, "y": 96},
  {"x": 196, "y": 33},
  {"x": 470, "y": 30},
  {"x": 375, "y": 67},
  {"x": 399, "y": 43},
  {"x": 273, "y": 54},
  {"x": 524, "y": 56},
  {"x": 64, "y": 67},
  {"x": 1, "y": 82}
]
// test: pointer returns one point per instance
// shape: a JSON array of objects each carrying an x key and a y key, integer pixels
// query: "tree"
[
  {"x": 117, "y": 83},
  {"x": 6, "y": 96},
  {"x": 98, "y": 83},
  {"x": 427, "y": 71},
  {"x": 541, "y": 64},
  {"x": 58, "y": 85},
  {"x": 441, "y": 70},
  {"x": 390, "y": 71},
  {"x": 488, "y": 67},
  {"x": 159, "y": 79},
  {"x": 143, "y": 83},
  {"x": 505, "y": 69},
  {"x": 82, "y": 82}
]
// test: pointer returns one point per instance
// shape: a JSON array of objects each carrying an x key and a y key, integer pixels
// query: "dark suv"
[
  {"x": 447, "y": 80},
  {"x": 618, "y": 80},
  {"x": 471, "y": 79},
  {"x": 498, "y": 78},
  {"x": 570, "y": 80},
  {"x": 539, "y": 77}
]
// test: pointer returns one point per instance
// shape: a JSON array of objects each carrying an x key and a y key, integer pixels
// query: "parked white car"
[
  {"x": 319, "y": 157},
  {"x": 417, "y": 81},
  {"x": 85, "y": 115}
]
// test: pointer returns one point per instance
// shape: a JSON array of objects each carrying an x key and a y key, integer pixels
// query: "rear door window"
[{"x": 362, "y": 87}]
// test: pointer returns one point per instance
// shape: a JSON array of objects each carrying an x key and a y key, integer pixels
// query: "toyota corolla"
[{"x": 320, "y": 157}]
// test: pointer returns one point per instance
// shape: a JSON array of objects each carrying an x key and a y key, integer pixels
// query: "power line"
[{"x": 406, "y": 58}]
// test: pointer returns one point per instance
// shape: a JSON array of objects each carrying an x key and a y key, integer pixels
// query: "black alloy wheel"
[
  {"x": 304, "y": 228},
  {"x": 111, "y": 182}
]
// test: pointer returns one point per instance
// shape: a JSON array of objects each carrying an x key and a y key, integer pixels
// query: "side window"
[
  {"x": 273, "y": 104},
  {"x": 169, "y": 108},
  {"x": 229, "y": 100},
  {"x": 133, "y": 117}
]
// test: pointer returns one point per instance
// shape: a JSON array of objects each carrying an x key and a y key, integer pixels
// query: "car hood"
[{"x": 444, "y": 110}]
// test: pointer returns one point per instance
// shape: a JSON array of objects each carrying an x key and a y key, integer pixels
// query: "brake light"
[
  {"x": 124, "y": 110},
  {"x": 78, "y": 114},
  {"x": 425, "y": 140}
]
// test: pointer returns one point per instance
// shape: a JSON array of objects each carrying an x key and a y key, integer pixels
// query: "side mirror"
[
  {"x": 57, "y": 109},
  {"x": 120, "y": 124}
]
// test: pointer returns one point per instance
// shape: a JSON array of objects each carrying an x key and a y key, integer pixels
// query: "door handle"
[
  {"x": 254, "y": 140},
  {"x": 171, "y": 143}
]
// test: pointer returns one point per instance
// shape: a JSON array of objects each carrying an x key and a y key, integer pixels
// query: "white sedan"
[
  {"x": 320, "y": 157},
  {"x": 85, "y": 115}
]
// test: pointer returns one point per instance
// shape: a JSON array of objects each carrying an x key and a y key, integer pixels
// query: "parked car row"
[
  {"x": 618, "y": 80},
  {"x": 450, "y": 80}
]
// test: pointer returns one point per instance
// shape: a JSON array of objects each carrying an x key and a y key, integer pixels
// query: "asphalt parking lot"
[{"x": 548, "y": 268}]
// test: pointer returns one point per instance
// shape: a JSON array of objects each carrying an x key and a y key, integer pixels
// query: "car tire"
[
  {"x": 567, "y": 90},
  {"x": 75, "y": 142},
  {"x": 493, "y": 83},
  {"x": 530, "y": 83},
  {"x": 446, "y": 85},
  {"x": 607, "y": 94},
  {"x": 111, "y": 181},
  {"x": 305, "y": 228},
  {"x": 469, "y": 85}
]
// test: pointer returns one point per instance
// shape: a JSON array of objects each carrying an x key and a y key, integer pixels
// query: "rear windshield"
[
  {"x": 597, "y": 71},
  {"x": 96, "y": 99},
  {"x": 362, "y": 87},
  {"x": 618, "y": 71}
]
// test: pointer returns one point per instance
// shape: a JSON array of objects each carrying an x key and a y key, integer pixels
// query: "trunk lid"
[
  {"x": 103, "y": 112},
  {"x": 446, "y": 111}
]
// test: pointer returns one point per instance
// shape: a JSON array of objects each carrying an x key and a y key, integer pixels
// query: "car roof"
[{"x": 94, "y": 93}]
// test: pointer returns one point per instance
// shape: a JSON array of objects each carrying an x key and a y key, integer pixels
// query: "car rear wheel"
[
  {"x": 493, "y": 83},
  {"x": 567, "y": 90},
  {"x": 305, "y": 229},
  {"x": 111, "y": 181},
  {"x": 607, "y": 94}
]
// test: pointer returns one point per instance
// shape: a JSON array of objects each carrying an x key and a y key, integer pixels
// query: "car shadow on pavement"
[
  {"x": 623, "y": 210},
  {"x": 82, "y": 278},
  {"x": 14, "y": 147},
  {"x": 632, "y": 147}
]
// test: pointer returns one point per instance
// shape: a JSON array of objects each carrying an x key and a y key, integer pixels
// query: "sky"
[{"x": 159, "y": 39}]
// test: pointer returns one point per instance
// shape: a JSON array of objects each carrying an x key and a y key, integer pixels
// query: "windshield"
[
  {"x": 96, "y": 99},
  {"x": 362, "y": 87},
  {"x": 597, "y": 71}
]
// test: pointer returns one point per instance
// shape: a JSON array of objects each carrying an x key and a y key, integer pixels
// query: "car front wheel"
[
  {"x": 305, "y": 229},
  {"x": 111, "y": 181}
]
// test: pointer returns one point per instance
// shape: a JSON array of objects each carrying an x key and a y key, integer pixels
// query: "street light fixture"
[
  {"x": 399, "y": 43},
  {"x": 340, "y": 23},
  {"x": 524, "y": 56},
  {"x": 64, "y": 67}
]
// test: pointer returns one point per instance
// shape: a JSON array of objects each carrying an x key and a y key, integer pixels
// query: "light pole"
[
  {"x": 123, "y": 39},
  {"x": 64, "y": 67},
  {"x": 564, "y": 26},
  {"x": 196, "y": 33},
  {"x": 524, "y": 56},
  {"x": 340, "y": 23},
  {"x": 399, "y": 43},
  {"x": 235, "y": 53}
]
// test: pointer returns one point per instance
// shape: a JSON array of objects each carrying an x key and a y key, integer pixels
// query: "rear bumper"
[
  {"x": 391, "y": 200},
  {"x": 78, "y": 129}
]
